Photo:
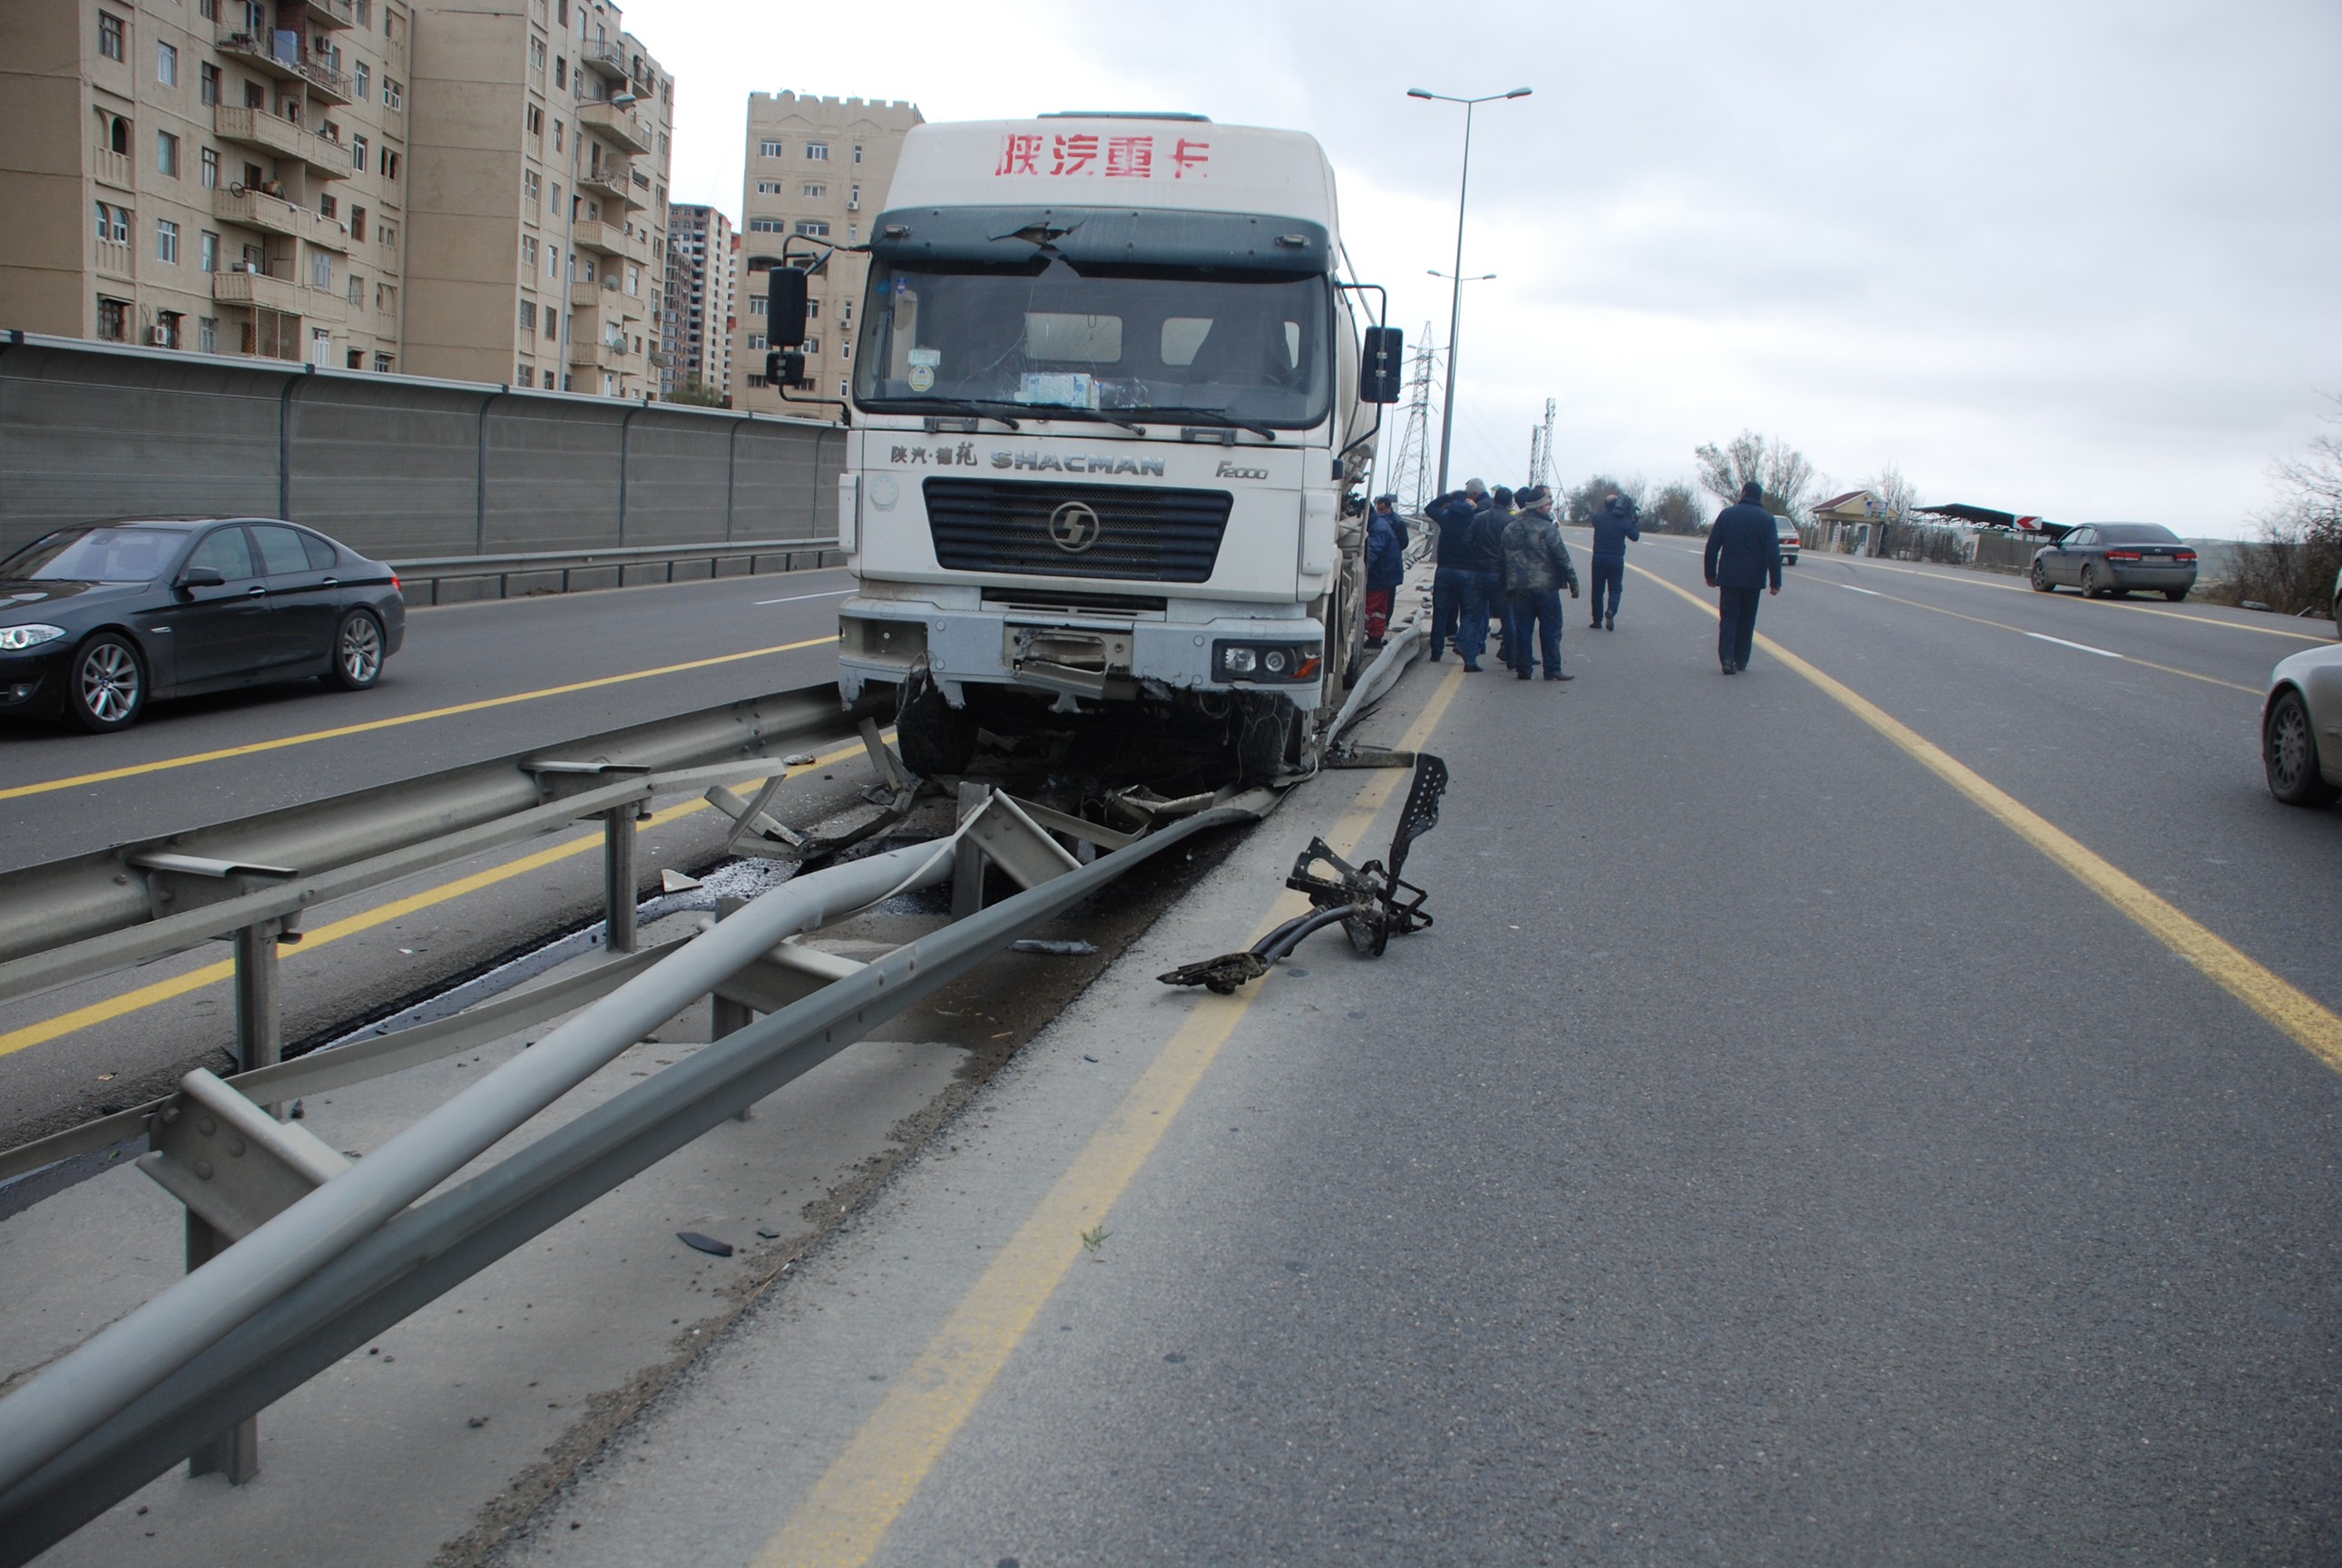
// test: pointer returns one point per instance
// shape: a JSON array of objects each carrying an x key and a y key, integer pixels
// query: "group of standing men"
[{"x": 1500, "y": 553}]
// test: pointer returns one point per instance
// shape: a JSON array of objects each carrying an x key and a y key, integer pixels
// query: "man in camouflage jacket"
[{"x": 1536, "y": 568}]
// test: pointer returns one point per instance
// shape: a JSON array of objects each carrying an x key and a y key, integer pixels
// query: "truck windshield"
[{"x": 1250, "y": 346}]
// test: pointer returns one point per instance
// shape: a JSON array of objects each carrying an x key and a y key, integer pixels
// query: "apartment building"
[
  {"x": 536, "y": 250},
  {"x": 703, "y": 260},
  {"x": 817, "y": 168},
  {"x": 223, "y": 175}
]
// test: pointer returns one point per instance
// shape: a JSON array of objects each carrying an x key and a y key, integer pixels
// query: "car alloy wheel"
[
  {"x": 2289, "y": 753},
  {"x": 2089, "y": 583},
  {"x": 108, "y": 687},
  {"x": 357, "y": 652},
  {"x": 2040, "y": 579}
]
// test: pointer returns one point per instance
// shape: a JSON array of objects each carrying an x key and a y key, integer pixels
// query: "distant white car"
[
  {"x": 2301, "y": 728},
  {"x": 1791, "y": 540}
]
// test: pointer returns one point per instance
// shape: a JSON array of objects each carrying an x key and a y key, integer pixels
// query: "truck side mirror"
[
  {"x": 1379, "y": 369},
  {"x": 784, "y": 308},
  {"x": 784, "y": 367}
]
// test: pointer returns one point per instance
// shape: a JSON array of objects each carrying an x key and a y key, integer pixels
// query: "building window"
[
  {"x": 815, "y": 193},
  {"x": 167, "y": 154},
  {"x": 211, "y": 168},
  {"x": 528, "y": 316},
  {"x": 757, "y": 303},
  {"x": 389, "y": 236},
  {"x": 166, "y": 65},
  {"x": 356, "y": 293},
  {"x": 358, "y": 153},
  {"x": 207, "y": 333},
  {"x": 381, "y": 361},
  {"x": 536, "y": 120},
  {"x": 532, "y": 193},
  {"x": 813, "y": 310},
  {"x": 321, "y": 271},
  {"x": 393, "y": 94},
  {"x": 328, "y": 208},
  {"x": 768, "y": 149},
  {"x": 857, "y": 152},
  {"x": 528, "y": 252},
  {"x": 363, "y": 77},
  {"x": 209, "y": 247},
  {"x": 812, "y": 345},
  {"x": 168, "y": 323},
  {"x": 552, "y": 262},
  {"x": 114, "y": 318},
  {"x": 813, "y": 229},
  {"x": 357, "y": 223},
  {"x": 209, "y": 84},
  {"x": 166, "y": 241},
  {"x": 389, "y": 164},
  {"x": 560, "y": 71},
  {"x": 845, "y": 349},
  {"x": 768, "y": 226},
  {"x": 817, "y": 151},
  {"x": 109, "y": 44},
  {"x": 207, "y": 9}
]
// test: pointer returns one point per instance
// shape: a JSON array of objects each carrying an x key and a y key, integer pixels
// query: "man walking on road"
[
  {"x": 1385, "y": 567},
  {"x": 1613, "y": 527},
  {"x": 1744, "y": 550},
  {"x": 1536, "y": 567},
  {"x": 1451, "y": 587},
  {"x": 1488, "y": 561}
]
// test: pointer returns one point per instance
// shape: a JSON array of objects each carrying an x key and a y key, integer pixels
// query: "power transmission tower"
[
  {"x": 1410, "y": 470},
  {"x": 1541, "y": 449}
]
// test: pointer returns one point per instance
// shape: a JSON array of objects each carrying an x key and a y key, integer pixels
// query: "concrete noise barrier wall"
[{"x": 397, "y": 468}]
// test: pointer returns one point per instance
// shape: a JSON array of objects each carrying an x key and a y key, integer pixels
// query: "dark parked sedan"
[
  {"x": 2102, "y": 558},
  {"x": 100, "y": 619}
]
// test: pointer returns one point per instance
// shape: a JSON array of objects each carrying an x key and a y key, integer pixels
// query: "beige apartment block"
[
  {"x": 223, "y": 175},
  {"x": 703, "y": 262},
  {"x": 537, "y": 251},
  {"x": 816, "y": 168}
]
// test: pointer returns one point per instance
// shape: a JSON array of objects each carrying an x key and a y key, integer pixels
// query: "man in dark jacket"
[
  {"x": 1385, "y": 567},
  {"x": 1744, "y": 551},
  {"x": 1613, "y": 527},
  {"x": 1455, "y": 514},
  {"x": 1536, "y": 568},
  {"x": 1488, "y": 561}
]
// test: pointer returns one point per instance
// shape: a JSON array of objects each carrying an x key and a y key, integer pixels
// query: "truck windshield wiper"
[
  {"x": 965, "y": 406},
  {"x": 1219, "y": 416},
  {"x": 1072, "y": 411}
]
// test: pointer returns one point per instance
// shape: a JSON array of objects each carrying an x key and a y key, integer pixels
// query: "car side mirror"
[
  {"x": 1381, "y": 367},
  {"x": 784, "y": 308},
  {"x": 201, "y": 577}
]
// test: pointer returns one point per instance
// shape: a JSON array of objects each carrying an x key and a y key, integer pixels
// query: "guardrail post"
[
  {"x": 967, "y": 856},
  {"x": 259, "y": 1042},
  {"x": 235, "y": 1452},
  {"x": 618, "y": 876},
  {"x": 727, "y": 1016}
]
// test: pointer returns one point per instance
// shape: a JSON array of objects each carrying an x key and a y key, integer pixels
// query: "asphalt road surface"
[
  {"x": 471, "y": 682},
  {"x": 1877, "y": 1108}
]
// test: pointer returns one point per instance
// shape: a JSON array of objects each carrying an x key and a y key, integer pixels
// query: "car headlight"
[{"x": 16, "y": 639}]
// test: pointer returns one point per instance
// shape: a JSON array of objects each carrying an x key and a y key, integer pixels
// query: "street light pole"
[{"x": 1456, "y": 304}]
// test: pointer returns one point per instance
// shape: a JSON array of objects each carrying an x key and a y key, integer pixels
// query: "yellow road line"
[
  {"x": 847, "y": 1514},
  {"x": 161, "y": 991},
  {"x": 2020, "y": 631},
  {"x": 167, "y": 763},
  {"x": 2307, "y": 1021}
]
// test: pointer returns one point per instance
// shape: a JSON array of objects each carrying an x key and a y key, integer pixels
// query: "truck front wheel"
[{"x": 934, "y": 738}]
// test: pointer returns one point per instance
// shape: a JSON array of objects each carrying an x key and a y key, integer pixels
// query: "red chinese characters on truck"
[{"x": 1083, "y": 153}]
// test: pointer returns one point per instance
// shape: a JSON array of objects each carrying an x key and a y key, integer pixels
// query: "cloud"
[{"x": 2070, "y": 258}]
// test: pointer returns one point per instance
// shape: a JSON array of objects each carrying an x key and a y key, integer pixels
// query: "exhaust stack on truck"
[{"x": 1113, "y": 413}]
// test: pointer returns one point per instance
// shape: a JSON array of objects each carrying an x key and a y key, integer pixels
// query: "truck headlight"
[
  {"x": 16, "y": 639},
  {"x": 1284, "y": 664}
]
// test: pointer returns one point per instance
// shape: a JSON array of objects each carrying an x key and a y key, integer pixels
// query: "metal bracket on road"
[
  {"x": 1370, "y": 902},
  {"x": 231, "y": 1162}
]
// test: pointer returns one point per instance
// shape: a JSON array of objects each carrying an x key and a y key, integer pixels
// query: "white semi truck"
[{"x": 1113, "y": 413}]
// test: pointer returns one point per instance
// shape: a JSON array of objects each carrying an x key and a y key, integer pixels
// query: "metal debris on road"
[{"x": 708, "y": 1244}]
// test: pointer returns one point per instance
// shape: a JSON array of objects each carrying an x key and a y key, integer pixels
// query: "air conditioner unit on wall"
[{"x": 160, "y": 336}]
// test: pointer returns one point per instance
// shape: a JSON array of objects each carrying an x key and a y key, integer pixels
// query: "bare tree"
[
  {"x": 1896, "y": 497},
  {"x": 1675, "y": 508},
  {"x": 1778, "y": 469},
  {"x": 2293, "y": 564}
]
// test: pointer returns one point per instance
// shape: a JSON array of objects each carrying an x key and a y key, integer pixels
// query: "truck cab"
[{"x": 1110, "y": 432}]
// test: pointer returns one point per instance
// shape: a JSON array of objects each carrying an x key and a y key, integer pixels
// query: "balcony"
[
  {"x": 608, "y": 239},
  {"x": 612, "y": 180},
  {"x": 249, "y": 289},
  {"x": 280, "y": 136},
  {"x": 109, "y": 168},
  {"x": 275, "y": 55},
  {"x": 604, "y": 58},
  {"x": 587, "y": 354},
  {"x": 113, "y": 258},
  {"x": 274, "y": 215},
  {"x": 334, "y": 14},
  {"x": 623, "y": 126}
]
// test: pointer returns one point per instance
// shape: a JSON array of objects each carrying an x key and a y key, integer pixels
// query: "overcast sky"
[{"x": 2072, "y": 259}]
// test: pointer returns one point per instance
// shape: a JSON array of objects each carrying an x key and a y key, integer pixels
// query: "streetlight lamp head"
[
  {"x": 1520, "y": 93},
  {"x": 1416, "y": 93}
]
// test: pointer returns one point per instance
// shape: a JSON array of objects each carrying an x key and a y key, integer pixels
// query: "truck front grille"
[{"x": 1038, "y": 530}]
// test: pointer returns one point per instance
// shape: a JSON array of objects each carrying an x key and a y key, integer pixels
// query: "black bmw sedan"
[{"x": 100, "y": 619}]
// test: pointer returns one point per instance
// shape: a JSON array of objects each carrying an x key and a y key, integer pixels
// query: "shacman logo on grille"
[{"x": 1074, "y": 526}]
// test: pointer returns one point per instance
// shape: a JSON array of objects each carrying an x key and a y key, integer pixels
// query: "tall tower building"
[
  {"x": 818, "y": 167},
  {"x": 223, "y": 175},
  {"x": 703, "y": 255},
  {"x": 537, "y": 235}
]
